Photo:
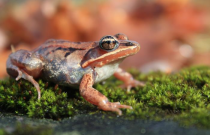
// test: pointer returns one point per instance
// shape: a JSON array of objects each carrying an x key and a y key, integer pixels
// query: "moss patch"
[{"x": 182, "y": 96}]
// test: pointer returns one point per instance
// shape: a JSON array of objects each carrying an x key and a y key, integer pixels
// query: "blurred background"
[{"x": 172, "y": 33}]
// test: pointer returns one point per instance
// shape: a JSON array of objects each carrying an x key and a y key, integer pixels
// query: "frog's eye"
[
  {"x": 109, "y": 43},
  {"x": 121, "y": 36}
]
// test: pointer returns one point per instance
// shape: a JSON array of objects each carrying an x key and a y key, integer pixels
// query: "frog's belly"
[{"x": 106, "y": 71}]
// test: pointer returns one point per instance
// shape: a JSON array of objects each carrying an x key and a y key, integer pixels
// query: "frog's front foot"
[
  {"x": 132, "y": 83},
  {"x": 114, "y": 107},
  {"x": 128, "y": 79}
]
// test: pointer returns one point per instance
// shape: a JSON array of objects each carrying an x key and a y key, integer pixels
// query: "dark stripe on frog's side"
[
  {"x": 67, "y": 54},
  {"x": 68, "y": 50},
  {"x": 45, "y": 51}
]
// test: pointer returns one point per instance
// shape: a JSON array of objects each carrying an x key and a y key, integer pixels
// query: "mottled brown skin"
[{"x": 77, "y": 64}]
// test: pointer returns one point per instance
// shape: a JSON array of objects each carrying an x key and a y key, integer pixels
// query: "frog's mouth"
[{"x": 106, "y": 58}]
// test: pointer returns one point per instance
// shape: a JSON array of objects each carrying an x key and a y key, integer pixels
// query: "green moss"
[
  {"x": 15, "y": 95},
  {"x": 52, "y": 105},
  {"x": 180, "y": 96},
  {"x": 183, "y": 96},
  {"x": 21, "y": 97}
]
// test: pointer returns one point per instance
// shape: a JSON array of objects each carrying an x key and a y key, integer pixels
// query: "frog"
[{"x": 77, "y": 64}]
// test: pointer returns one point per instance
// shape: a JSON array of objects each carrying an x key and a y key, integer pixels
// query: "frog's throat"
[{"x": 111, "y": 56}]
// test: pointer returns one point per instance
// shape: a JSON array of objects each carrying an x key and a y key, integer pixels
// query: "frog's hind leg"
[
  {"x": 16, "y": 66},
  {"x": 31, "y": 79},
  {"x": 14, "y": 71}
]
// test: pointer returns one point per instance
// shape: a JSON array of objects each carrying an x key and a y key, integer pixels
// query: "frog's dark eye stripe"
[{"x": 108, "y": 43}]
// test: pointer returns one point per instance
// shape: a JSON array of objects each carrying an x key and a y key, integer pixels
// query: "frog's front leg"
[
  {"x": 20, "y": 64},
  {"x": 127, "y": 78},
  {"x": 95, "y": 97}
]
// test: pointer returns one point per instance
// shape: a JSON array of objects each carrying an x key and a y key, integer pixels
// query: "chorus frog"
[{"x": 77, "y": 64}]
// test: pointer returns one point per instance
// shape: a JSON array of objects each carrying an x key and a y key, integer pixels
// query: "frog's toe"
[
  {"x": 117, "y": 110},
  {"x": 138, "y": 83},
  {"x": 19, "y": 75},
  {"x": 114, "y": 107},
  {"x": 132, "y": 84}
]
